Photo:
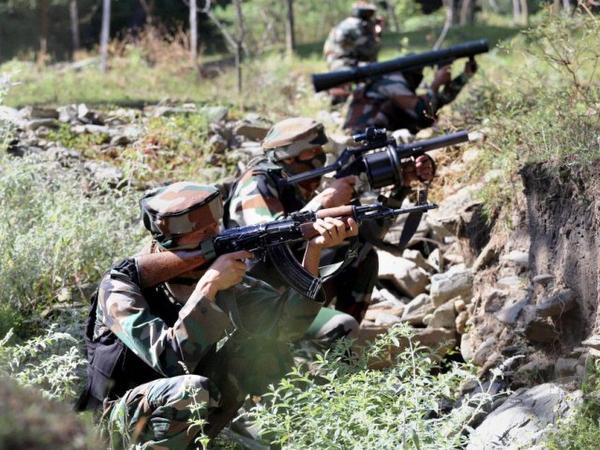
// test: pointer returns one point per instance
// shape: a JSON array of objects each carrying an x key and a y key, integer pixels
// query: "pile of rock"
[
  {"x": 230, "y": 141},
  {"x": 430, "y": 290}
]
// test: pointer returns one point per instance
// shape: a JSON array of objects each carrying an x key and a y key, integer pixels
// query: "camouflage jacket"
[
  {"x": 176, "y": 345},
  {"x": 351, "y": 41},
  {"x": 367, "y": 107},
  {"x": 256, "y": 197}
]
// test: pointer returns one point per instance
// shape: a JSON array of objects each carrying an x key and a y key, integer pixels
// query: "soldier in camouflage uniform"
[
  {"x": 354, "y": 40},
  {"x": 390, "y": 101},
  {"x": 293, "y": 146},
  {"x": 169, "y": 332}
]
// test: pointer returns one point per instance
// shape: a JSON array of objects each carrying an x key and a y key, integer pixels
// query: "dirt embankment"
[
  {"x": 563, "y": 210},
  {"x": 537, "y": 288}
]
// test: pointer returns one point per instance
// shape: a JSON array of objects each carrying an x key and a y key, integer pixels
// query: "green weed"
[
  {"x": 52, "y": 363},
  {"x": 349, "y": 405},
  {"x": 56, "y": 235}
]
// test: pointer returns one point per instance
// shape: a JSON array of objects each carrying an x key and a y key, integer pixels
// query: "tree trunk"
[
  {"x": 193, "y": 31},
  {"x": 149, "y": 10},
  {"x": 104, "y": 35},
  {"x": 290, "y": 37},
  {"x": 567, "y": 6},
  {"x": 456, "y": 6},
  {"x": 524, "y": 13},
  {"x": 391, "y": 11},
  {"x": 74, "y": 17},
  {"x": 516, "y": 11},
  {"x": 44, "y": 25},
  {"x": 556, "y": 6},
  {"x": 239, "y": 40},
  {"x": 467, "y": 12},
  {"x": 447, "y": 23}
]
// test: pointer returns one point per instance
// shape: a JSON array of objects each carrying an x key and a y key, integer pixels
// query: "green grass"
[
  {"x": 141, "y": 76},
  {"x": 56, "y": 236}
]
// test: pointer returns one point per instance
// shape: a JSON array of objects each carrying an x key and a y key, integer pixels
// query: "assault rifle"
[
  {"x": 272, "y": 240},
  {"x": 382, "y": 167},
  {"x": 324, "y": 81}
]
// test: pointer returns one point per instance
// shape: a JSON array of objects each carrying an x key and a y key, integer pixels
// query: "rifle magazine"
[{"x": 293, "y": 273}]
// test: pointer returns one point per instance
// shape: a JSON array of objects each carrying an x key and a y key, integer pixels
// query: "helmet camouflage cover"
[
  {"x": 179, "y": 209},
  {"x": 290, "y": 137},
  {"x": 364, "y": 10}
]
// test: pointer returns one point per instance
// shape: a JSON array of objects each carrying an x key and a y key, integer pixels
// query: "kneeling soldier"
[{"x": 168, "y": 330}]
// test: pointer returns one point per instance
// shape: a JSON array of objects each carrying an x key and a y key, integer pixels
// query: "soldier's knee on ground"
[
  {"x": 330, "y": 325},
  {"x": 182, "y": 390},
  {"x": 160, "y": 412}
]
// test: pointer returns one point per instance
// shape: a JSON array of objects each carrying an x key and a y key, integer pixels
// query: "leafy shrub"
[
  {"x": 52, "y": 363},
  {"x": 540, "y": 103},
  {"x": 349, "y": 405},
  {"x": 56, "y": 235}
]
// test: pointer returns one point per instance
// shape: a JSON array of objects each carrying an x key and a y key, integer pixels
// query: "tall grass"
[{"x": 56, "y": 235}]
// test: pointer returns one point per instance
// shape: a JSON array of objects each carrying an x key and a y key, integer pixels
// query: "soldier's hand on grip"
[
  {"x": 425, "y": 168},
  {"x": 225, "y": 272},
  {"x": 339, "y": 193},
  {"x": 442, "y": 77},
  {"x": 421, "y": 169},
  {"x": 470, "y": 67}
]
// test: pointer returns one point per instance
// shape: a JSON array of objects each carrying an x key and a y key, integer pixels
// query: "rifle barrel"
[
  {"x": 295, "y": 179},
  {"x": 425, "y": 145}
]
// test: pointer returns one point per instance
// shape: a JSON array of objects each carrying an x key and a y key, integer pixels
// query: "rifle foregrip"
[
  {"x": 338, "y": 211},
  {"x": 308, "y": 230}
]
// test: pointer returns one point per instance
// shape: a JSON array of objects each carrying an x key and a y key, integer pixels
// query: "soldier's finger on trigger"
[
  {"x": 241, "y": 254},
  {"x": 336, "y": 222},
  {"x": 327, "y": 224},
  {"x": 240, "y": 265}
]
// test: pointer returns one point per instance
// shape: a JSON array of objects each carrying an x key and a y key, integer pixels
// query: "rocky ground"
[{"x": 522, "y": 298}]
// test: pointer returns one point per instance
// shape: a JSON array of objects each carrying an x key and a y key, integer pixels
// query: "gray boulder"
[
  {"x": 443, "y": 317},
  {"x": 417, "y": 309},
  {"x": 524, "y": 419},
  {"x": 456, "y": 282},
  {"x": 103, "y": 172},
  {"x": 406, "y": 275}
]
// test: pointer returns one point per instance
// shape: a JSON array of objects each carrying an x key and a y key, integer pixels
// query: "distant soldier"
[
  {"x": 390, "y": 101},
  {"x": 168, "y": 330},
  {"x": 294, "y": 146},
  {"x": 353, "y": 41}
]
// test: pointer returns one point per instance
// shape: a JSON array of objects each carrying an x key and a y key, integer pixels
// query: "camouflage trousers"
[
  {"x": 165, "y": 413},
  {"x": 162, "y": 414},
  {"x": 352, "y": 287}
]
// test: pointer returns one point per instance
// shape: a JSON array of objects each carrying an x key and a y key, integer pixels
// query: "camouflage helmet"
[
  {"x": 179, "y": 209},
  {"x": 364, "y": 10},
  {"x": 290, "y": 137}
]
